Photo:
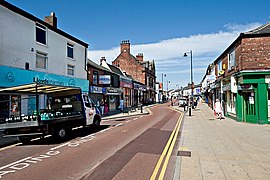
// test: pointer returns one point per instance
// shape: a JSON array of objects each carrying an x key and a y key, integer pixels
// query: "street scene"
[{"x": 89, "y": 90}]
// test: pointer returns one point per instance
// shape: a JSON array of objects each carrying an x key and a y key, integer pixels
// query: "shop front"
[
  {"x": 229, "y": 90},
  {"x": 139, "y": 89},
  {"x": 126, "y": 85},
  {"x": 10, "y": 104},
  {"x": 113, "y": 97}
]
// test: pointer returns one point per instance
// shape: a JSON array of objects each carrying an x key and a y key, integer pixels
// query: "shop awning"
[{"x": 37, "y": 88}]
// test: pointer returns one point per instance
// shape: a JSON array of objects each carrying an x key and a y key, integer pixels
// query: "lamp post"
[
  {"x": 162, "y": 85},
  {"x": 168, "y": 88},
  {"x": 191, "y": 81}
]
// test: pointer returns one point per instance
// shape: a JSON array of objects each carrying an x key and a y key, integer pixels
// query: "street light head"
[{"x": 185, "y": 55}]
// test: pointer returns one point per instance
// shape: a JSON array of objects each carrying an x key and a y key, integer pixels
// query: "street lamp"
[
  {"x": 191, "y": 81},
  {"x": 178, "y": 90},
  {"x": 162, "y": 85},
  {"x": 168, "y": 88}
]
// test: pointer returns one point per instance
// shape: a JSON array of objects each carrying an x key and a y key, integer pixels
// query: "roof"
[
  {"x": 37, "y": 88},
  {"x": 116, "y": 69},
  {"x": 264, "y": 29},
  {"x": 95, "y": 65},
  {"x": 35, "y": 19}
]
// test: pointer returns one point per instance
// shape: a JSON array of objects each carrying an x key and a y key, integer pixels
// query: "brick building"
[
  {"x": 142, "y": 71},
  {"x": 243, "y": 76}
]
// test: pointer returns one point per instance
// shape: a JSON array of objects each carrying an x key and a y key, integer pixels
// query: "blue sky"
[{"x": 160, "y": 29}]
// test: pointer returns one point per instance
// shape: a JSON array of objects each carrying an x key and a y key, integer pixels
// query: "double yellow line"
[{"x": 167, "y": 151}]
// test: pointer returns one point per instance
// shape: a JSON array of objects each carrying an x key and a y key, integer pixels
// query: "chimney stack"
[
  {"x": 125, "y": 46},
  {"x": 140, "y": 57},
  {"x": 102, "y": 59},
  {"x": 52, "y": 20}
]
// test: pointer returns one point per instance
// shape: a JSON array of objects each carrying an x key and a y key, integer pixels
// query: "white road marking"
[
  {"x": 128, "y": 121},
  {"x": 135, "y": 119},
  {"x": 104, "y": 130},
  {"x": 57, "y": 147},
  {"x": 3, "y": 167},
  {"x": 118, "y": 124}
]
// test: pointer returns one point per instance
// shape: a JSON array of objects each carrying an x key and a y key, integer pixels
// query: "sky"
[{"x": 163, "y": 30}]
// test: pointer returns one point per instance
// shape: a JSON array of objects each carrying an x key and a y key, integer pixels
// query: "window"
[
  {"x": 70, "y": 70},
  {"x": 219, "y": 66},
  {"x": 70, "y": 50},
  {"x": 231, "y": 60},
  {"x": 41, "y": 34},
  {"x": 41, "y": 60},
  {"x": 95, "y": 77}
]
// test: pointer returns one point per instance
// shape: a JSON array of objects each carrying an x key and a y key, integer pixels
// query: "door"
[
  {"x": 249, "y": 107},
  {"x": 89, "y": 109}
]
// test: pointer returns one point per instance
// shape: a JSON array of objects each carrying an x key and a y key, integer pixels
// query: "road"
[{"x": 127, "y": 148}]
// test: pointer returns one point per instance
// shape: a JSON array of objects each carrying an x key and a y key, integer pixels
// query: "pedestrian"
[
  {"x": 106, "y": 108},
  {"x": 218, "y": 111},
  {"x": 98, "y": 105},
  {"x": 121, "y": 106}
]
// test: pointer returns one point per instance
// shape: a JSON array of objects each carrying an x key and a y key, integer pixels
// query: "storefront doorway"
[{"x": 249, "y": 108}]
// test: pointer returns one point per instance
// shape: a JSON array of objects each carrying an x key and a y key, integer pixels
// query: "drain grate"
[{"x": 184, "y": 153}]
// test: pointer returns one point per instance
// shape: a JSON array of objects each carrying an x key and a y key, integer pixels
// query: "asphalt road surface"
[{"x": 127, "y": 148}]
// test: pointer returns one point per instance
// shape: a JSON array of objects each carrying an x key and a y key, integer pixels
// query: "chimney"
[
  {"x": 52, "y": 20},
  {"x": 102, "y": 59},
  {"x": 125, "y": 46},
  {"x": 140, "y": 57}
]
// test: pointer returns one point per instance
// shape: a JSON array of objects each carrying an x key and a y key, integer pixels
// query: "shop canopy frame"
[{"x": 35, "y": 88}]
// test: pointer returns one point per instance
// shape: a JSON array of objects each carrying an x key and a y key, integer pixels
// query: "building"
[
  {"x": 142, "y": 71},
  {"x": 36, "y": 51},
  {"x": 243, "y": 76}
]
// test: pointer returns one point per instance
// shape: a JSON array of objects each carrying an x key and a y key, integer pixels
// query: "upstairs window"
[
  {"x": 70, "y": 70},
  {"x": 95, "y": 77},
  {"x": 41, "y": 60},
  {"x": 219, "y": 66},
  {"x": 41, "y": 34},
  {"x": 231, "y": 60},
  {"x": 70, "y": 48}
]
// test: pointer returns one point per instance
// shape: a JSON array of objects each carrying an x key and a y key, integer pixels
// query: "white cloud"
[{"x": 168, "y": 54}]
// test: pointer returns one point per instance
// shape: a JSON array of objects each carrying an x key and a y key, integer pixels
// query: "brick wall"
[
  {"x": 130, "y": 65},
  {"x": 254, "y": 54}
]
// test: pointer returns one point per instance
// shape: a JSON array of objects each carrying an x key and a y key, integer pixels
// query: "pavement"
[{"x": 210, "y": 148}]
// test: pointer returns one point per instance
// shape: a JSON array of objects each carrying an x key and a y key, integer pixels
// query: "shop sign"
[
  {"x": 226, "y": 87},
  {"x": 95, "y": 89},
  {"x": 104, "y": 79},
  {"x": 243, "y": 87},
  {"x": 210, "y": 78},
  {"x": 139, "y": 87},
  {"x": 113, "y": 91},
  {"x": 125, "y": 84}
]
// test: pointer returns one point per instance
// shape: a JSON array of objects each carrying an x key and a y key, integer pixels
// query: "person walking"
[
  {"x": 121, "y": 106},
  {"x": 106, "y": 108},
  {"x": 218, "y": 110}
]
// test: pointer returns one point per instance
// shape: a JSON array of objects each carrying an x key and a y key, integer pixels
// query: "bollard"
[
  {"x": 141, "y": 108},
  {"x": 189, "y": 111},
  {"x": 184, "y": 107}
]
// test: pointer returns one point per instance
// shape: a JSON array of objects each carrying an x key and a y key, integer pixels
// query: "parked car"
[{"x": 182, "y": 102}]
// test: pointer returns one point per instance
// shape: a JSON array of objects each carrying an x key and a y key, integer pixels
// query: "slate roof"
[
  {"x": 264, "y": 29},
  {"x": 92, "y": 63},
  {"x": 116, "y": 70}
]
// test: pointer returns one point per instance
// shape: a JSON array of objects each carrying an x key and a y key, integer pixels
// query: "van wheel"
[
  {"x": 60, "y": 133},
  {"x": 24, "y": 140},
  {"x": 96, "y": 123}
]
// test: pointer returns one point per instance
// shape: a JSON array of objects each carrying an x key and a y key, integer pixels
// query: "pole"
[{"x": 162, "y": 88}]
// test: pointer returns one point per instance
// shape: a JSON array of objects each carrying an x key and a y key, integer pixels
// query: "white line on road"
[
  {"x": 118, "y": 124},
  {"x": 128, "y": 121},
  {"x": 57, "y": 147},
  {"x": 135, "y": 119},
  {"x": 104, "y": 130},
  {"x": 3, "y": 167}
]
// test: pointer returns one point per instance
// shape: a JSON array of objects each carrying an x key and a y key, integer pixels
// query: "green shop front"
[{"x": 252, "y": 97}]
